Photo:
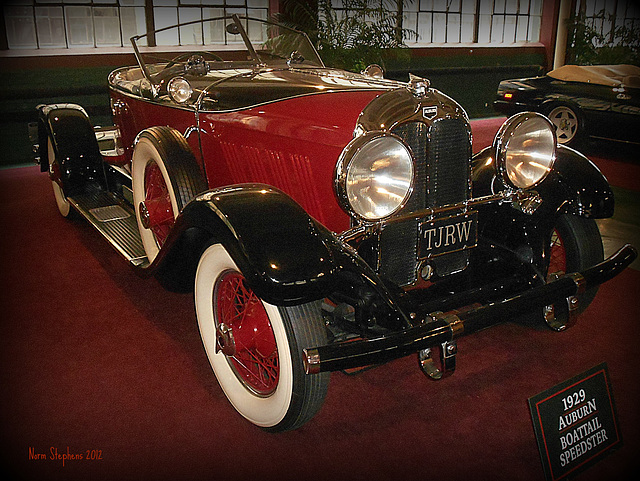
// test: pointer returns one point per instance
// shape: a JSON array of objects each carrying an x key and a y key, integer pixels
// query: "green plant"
[
  {"x": 364, "y": 32},
  {"x": 589, "y": 45}
]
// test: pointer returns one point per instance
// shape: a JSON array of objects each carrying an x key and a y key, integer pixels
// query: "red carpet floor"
[{"x": 94, "y": 359}]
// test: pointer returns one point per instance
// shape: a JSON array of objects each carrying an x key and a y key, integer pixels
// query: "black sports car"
[{"x": 599, "y": 101}]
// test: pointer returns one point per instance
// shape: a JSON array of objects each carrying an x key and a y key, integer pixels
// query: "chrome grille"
[{"x": 441, "y": 152}]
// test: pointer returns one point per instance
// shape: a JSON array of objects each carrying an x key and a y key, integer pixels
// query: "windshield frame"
[{"x": 256, "y": 57}]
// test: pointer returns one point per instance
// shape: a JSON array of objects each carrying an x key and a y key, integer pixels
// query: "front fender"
[
  {"x": 286, "y": 256},
  {"x": 586, "y": 190},
  {"x": 574, "y": 186}
]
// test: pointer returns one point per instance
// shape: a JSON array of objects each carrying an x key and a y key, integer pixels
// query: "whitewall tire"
[
  {"x": 165, "y": 177},
  {"x": 255, "y": 348}
]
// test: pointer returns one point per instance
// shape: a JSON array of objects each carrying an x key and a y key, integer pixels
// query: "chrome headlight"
[
  {"x": 179, "y": 89},
  {"x": 374, "y": 176},
  {"x": 525, "y": 147}
]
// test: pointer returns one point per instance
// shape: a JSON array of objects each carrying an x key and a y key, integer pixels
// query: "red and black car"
[{"x": 325, "y": 220}]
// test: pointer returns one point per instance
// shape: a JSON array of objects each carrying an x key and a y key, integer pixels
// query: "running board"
[{"x": 114, "y": 219}]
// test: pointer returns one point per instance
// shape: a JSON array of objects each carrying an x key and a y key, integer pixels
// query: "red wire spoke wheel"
[
  {"x": 165, "y": 176},
  {"x": 255, "y": 348},
  {"x": 557, "y": 256},
  {"x": 157, "y": 204},
  {"x": 246, "y": 335},
  {"x": 575, "y": 245}
]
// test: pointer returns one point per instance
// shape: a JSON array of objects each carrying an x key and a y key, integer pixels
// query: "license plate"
[{"x": 448, "y": 234}]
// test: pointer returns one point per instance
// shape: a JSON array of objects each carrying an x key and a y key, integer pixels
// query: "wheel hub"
[
  {"x": 144, "y": 215},
  {"x": 225, "y": 341}
]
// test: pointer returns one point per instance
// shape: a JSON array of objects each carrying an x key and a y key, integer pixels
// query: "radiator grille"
[{"x": 441, "y": 152}]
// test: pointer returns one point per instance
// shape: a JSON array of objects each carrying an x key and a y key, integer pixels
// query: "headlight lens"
[
  {"x": 526, "y": 149},
  {"x": 374, "y": 176},
  {"x": 179, "y": 89}
]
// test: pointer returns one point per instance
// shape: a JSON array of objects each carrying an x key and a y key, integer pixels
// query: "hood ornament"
[{"x": 418, "y": 86}]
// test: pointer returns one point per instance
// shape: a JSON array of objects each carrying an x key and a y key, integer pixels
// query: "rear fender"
[{"x": 77, "y": 155}]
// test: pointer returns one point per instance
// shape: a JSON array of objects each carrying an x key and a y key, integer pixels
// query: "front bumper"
[{"x": 439, "y": 328}]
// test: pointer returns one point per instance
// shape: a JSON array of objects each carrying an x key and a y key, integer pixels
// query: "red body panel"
[
  {"x": 291, "y": 144},
  {"x": 132, "y": 115}
]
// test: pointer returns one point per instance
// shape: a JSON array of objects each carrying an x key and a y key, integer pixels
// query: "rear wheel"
[
  {"x": 165, "y": 177},
  {"x": 255, "y": 348}
]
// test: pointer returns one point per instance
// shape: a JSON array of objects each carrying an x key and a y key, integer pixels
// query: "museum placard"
[{"x": 575, "y": 422}]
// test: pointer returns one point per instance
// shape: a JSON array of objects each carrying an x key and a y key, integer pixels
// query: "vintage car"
[
  {"x": 598, "y": 101},
  {"x": 325, "y": 220}
]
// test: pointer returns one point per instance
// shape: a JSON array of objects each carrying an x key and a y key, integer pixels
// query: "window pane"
[
  {"x": 509, "y": 29},
  {"x": 107, "y": 26},
  {"x": 424, "y": 27},
  {"x": 410, "y": 7},
  {"x": 439, "y": 5},
  {"x": 50, "y": 25},
  {"x": 79, "y": 28},
  {"x": 132, "y": 23},
  {"x": 484, "y": 29},
  {"x": 21, "y": 31},
  {"x": 213, "y": 31},
  {"x": 467, "y": 28},
  {"x": 166, "y": 17},
  {"x": 439, "y": 27},
  {"x": 497, "y": 26},
  {"x": 468, "y": 6},
  {"x": 536, "y": 7},
  {"x": 190, "y": 34},
  {"x": 521, "y": 29},
  {"x": 486, "y": 6},
  {"x": 258, "y": 13},
  {"x": 534, "y": 29},
  {"x": 453, "y": 28}
]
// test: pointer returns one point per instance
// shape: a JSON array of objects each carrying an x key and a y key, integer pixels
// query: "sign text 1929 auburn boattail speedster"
[{"x": 325, "y": 220}]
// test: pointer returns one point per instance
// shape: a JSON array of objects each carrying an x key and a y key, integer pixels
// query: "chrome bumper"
[{"x": 440, "y": 328}]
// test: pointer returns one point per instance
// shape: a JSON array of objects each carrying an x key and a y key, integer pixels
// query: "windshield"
[{"x": 225, "y": 42}]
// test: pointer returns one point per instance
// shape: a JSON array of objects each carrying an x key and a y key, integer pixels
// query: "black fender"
[
  {"x": 574, "y": 186},
  {"x": 587, "y": 191},
  {"x": 286, "y": 256},
  {"x": 77, "y": 155}
]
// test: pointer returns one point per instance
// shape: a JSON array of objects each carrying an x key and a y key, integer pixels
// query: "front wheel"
[
  {"x": 575, "y": 245},
  {"x": 255, "y": 348}
]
